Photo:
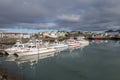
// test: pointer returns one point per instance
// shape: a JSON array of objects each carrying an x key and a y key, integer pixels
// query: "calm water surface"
[{"x": 97, "y": 61}]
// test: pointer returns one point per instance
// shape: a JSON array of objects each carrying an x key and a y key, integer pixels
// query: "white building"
[
  {"x": 10, "y": 35},
  {"x": 13, "y": 35},
  {"x": 25, "y": 35},
  {"x": 112, "y": 33}
]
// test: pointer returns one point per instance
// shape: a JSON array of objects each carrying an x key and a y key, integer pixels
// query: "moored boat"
[
  {"x": 33, "y": 49},
  {"x": 72, "y": 42},
  {"x": 59, "y": 46},
  {"x": 18, "y": 46},
  {"x": 83, "y": 41}
]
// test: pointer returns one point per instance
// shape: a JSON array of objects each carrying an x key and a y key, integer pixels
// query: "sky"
[{"x": 83, "y": 15}]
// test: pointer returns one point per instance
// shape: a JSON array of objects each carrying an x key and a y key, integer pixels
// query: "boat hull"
[{"x": 33, "y": 52}]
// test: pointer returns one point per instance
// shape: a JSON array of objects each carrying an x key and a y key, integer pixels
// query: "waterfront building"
[{"x": 13, "y": 35}]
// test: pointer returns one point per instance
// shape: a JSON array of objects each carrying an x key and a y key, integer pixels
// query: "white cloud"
[
  {"x": 73, "y": 14},
  {"x": 71, "y": 18},
  {"x": 114, "y": 27},
  {"x": 36, "y": 25}
]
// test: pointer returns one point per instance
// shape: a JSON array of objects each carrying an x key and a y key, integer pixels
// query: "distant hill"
[
  {"x": 118, "y": 30},
  {"x": 112, "y": 31}
]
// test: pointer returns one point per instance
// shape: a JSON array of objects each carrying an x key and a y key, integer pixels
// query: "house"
[
  {"x": 112, "y": 33},
  {"x": 40, "y": 34},
  {"x": 26, "y": 35},
  {"x": 10, "y": 35},
  {"x": 98, "y": 35},
  {"x": 61, "y": 33},
  {"x": 52, "y": 34},
  {"x": 13, "y": 35},
  {"x": 44, "y": 34}
]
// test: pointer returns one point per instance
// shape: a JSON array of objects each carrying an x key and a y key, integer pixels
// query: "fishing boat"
[
  {"x": 73, "y": 42},
  {"x": 59, "y": 46},
  {"x": 83, "y": 41},
  {"x": 18, "y": 46},
  {"x": 33, "y": 49}
]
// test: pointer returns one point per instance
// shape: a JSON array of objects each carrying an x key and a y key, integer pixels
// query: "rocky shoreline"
[{"x": 5, "y": 75}]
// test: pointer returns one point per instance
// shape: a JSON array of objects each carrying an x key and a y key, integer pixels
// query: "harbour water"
[{"x": 96, "y": 61}]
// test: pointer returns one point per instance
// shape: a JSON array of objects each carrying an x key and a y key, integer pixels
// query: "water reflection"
[
  {"x": 107, "y": 43},
  {"x": 11, "y": 65},
  {"x": 104, "y": 41},
  {"x": 95, "y": 61},
  {"x": 81, "y": 46},
  {"x": 32, "y": 59}
]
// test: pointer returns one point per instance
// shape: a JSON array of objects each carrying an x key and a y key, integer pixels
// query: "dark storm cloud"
[{"x": 72, "y": 14}]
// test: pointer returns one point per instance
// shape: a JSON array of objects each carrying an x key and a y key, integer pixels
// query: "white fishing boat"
[
  {"x": 18, "y": 46},
  {"x": 35, "y": 42},
  {"x": 83, "y": 41},
  {"x": 33, "y": 49},
  {"x": 59, "y": 45},
  {"x": 72, "y": 42}
]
